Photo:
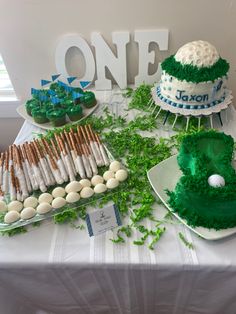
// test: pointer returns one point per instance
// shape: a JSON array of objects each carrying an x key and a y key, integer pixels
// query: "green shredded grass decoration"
[{"x": 192, "y": 73}]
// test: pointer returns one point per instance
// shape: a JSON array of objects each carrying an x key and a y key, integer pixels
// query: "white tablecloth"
[{"x": 58, "y": 269}]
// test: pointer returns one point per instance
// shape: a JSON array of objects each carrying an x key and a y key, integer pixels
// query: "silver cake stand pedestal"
[{"x": 156, "y": 105}]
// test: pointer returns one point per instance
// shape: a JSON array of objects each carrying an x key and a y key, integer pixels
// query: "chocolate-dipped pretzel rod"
[
  {"x": 68, "y": 151},
  {"x": 91, "y": 157},
  {"x": 48, "y": 178},
  {"x": 12, "y": 184},
  {"x": 20, "y": 174},
  {"x": 5, "y": 183},
  {"x": 73, "y": 152},
  {"x": 17, "y": 184},
  {"x": 60, "y": 161},
  {"x": 38, "y": 162},
  {"x": 86, "y": 163},
  {"x": 65, "y": 157},
  {"x": 93, "y": 147},
  {"x": 25, "y": 170},
  {"x": 1, "y": 194},
  {"x": 35, "y": 167},
  {"x": 99, "y": 146},
  {"x": 51, "y": 161},
  {"x": 1, "y": 169},
  {"x": 102, "y": 150},
  {"x": 46, "y": 167},
  {"x": 85, "y": 152},
  {"x": 29, "y": 168},
  {"x": 79, "y": 161}
]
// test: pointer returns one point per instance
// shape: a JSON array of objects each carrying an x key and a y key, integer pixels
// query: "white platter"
[
  {"x": 47, "y": 126},
  {"x": 165, "y": 175}
]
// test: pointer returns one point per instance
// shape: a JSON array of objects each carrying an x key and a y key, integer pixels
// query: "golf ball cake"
[{"x": 195, "y": 78}]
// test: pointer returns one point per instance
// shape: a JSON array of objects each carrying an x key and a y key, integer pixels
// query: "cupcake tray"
[
  {"x": 53, "y": 212},
  {"x": 47, "y": 126}
]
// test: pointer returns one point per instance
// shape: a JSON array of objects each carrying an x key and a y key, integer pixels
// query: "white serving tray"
[
  {"x": 165, "y": 175},
  {"x": 47, "y": 126}
]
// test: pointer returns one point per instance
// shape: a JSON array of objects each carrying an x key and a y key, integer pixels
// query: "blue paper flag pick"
[
  {"x": 68, "y": 88},
  {"x": 43, "y": 97},
  {"x": 84, "y": 84},
  {"x": 54, "y": 77},
  {"x": 55, "y": 100},
  {"x": 51, "y": 92},
  {"x": 34, "y": 91},
  {"x": 71, "y": 79},
  {"x": 62, "y": 84},
  {"x": 45, "y": 82},
  {"x": 76, "y": 95}
]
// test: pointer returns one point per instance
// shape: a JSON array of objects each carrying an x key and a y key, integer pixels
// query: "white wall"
[
  {"x": 9, "y": 127},
  {"x": 30, "y": 30}
]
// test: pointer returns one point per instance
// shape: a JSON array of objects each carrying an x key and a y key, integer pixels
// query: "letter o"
[
  {"x": 199, "y": 98},
  {"x": 67, "y": 42}
]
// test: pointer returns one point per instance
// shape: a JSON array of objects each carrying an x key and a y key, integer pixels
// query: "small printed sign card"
[{"x": 102, "y": 220}]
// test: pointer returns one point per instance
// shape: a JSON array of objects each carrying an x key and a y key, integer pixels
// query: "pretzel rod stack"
[{"x": 43, "y": 163}]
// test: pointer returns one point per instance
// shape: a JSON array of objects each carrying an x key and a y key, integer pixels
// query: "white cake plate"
[
  {"x": 47, "y": 126},
  {"x": 165, "y": 175},
  {"x": 191, "y": 112},
  {"x": 157, "y": 103}
]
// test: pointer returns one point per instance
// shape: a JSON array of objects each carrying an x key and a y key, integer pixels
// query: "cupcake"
[
  {"x": 31, "y": 104},
  {"x": 78, "y": 90},
  {"x": 57, "y": 117},
  {"x": 75, "y": 113},
  {"x": 40, "y": 115},
  {"x": 67, "y": 103},
  {"x": 88, "y": 99}
]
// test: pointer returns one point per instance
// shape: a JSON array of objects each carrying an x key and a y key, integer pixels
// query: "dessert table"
[{"x": 58, "y": 269}]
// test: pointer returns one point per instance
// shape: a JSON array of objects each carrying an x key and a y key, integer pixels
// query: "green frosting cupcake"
[
  {"x": 30, "y": 105},
  {"x": 79, "y": 91},
  {"x": 75, "y": 113},
  {"x": 88, "y": 99},
  {"x": 57, "y": 117},
  {"x": 67, "y": 103},
  {"x": 40, "y": 115}
]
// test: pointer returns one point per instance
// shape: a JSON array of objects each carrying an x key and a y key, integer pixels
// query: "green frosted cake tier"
[{"x": 202, "y": 155}]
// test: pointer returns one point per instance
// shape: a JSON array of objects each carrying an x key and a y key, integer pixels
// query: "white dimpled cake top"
[{"x": 198, "y": 53}]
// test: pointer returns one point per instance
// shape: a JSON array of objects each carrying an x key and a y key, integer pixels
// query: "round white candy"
[
  {"x": 3, "y": 207},
  {"x": 86, "y": 192},
  {"x": 45, "y": 198},
  {"x": 108, "y": 175},
  {"x": 112, "y": 183},
  {"x": 121, "y": 175},
  {"x": 96, "y": 180},
  {"x": 115, "y": 165},
  {"x": 216, "y": 181},
  {"x": 58, "y": 192},
  {"x": 58, "y": 202},
  {"x": 43, "y": 208},
  {"x": 85, "y": 183},
  {"x": 11, "y": 217},
  {"x": 72, "y": 197},
  {"x": 15, "y": 205},
  {"x": 27, "y": 213},
  {"x": 31, "y": 202},
  {"x": 73, "y": 186},
  {"x": 100, "y": 188}
]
